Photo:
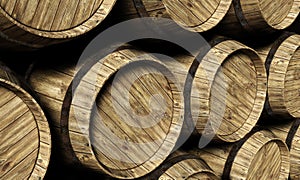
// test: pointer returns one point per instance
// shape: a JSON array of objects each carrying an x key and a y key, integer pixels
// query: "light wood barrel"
[
  {"x": 283, "y": 66},
  {"x": 36, "y": 24},
  {"x": 181, "y": 165},
  {"x": 290, "y": 133},
  {"x": 124, "y": 116},
  {"x": 25, "y": 143},
  {"x": 198, "y": 16},
  {"x": 228, "y": 91},
  {"x": 256, "y": 16},
  {"x": 260, "y": 155}
]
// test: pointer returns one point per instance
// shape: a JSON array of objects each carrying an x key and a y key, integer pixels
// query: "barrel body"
[
  {"x": 261, "y": 155},
  {"x": 290, "y": 133},
  {"x": 123, "y": 116},
  {"x": 25, "y": 144},
  {"x": 35, "y": 24},
  {"x": 257, "y": 17},
  {"x": 228, "y": 91},
  {"x": 182, "y": 165},
  {"x": 282, "y": 62}
]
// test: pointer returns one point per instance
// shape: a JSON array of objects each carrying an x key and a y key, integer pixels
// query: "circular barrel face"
[
  {"x": 190, "y": 169},
  {"x": 279, "y": 13},
  {"x": 72, "y": 17},
  {"x": 197, "y": 15},
  {"x": 228, "y": 92},
  {"x": 295, "y": 155},
  {"x": 266, "y": 163},
  {"x": 262, "y": 155},
  {"x": 234, "y": 88},
  {"x": 130, "y": 114},
  {"x": 20, "y": 144},
  {"x": 292, "y": 86},
  {"x": 137, "y": 108}
]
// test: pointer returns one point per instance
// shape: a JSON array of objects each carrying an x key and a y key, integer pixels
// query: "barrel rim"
[
  {"x": 210, "y": 22},
  {"x": 261, "y": 86},
  {"x": 44, "y": 150},
  {"x": 175, "y": 126},
  {"x": 288, "y": 20},
  {"x": 275, "y": 68},
  {"x": 87, "y": 25},
  {"x": 265, "y": 138}
]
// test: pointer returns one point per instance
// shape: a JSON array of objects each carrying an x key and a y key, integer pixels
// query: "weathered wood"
[
  {"x": 228, "y": 91},
  {"x": 181, "y": 165},
  {"x": 35, "y": 24},
  {"x": 198, "y": 16},
  {"x": 257, "y": 16},
  {"x": 282, "y": 62},
  {"x": 123, "y": 116},
  {"x": 25, "y": 143},
  {"x": 290, "y": 133},
  {"x": 260, "y": 155}
]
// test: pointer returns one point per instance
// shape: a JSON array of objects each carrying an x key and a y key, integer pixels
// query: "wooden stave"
[
  {"x": 241, "y": 21},
  {"x": 289, "y": 132},
  {"x": 195, "y": 167},
  {"x": 261, "y": 93},
  {"x": 276, "y": 104},
  {"x": 10, "y": 81},
  {"x": 17, "y": 36},
  {"x": 225, "y": 159},
  {"x": 87, "y": 159}
]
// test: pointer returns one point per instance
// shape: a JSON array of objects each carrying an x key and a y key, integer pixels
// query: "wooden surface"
[
  {"x": 284, "y": 76},
  {"x": 181, "y": 165},
  {"x": 290, "y": 133},
  {"x": 261, "y": 156},
  {"x": 126, "y": 138},
  {"x": 25, "y": 142},
  {"x": 38, "y": 23},
  {"x": 198, "y": 16},
  {"x": 257, "y": 17},
  {"x": 228, "y": 91}
]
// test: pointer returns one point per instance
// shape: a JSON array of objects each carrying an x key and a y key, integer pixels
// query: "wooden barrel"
[
  {"x": 260, "y": 155},
  {"x": 228, "y": 91},
  {"x": 198, "y": 16},
  {"x": 121, "y": 115},
  {"x": 256, "y": 16},
  {"x": 36, "y": 24},
  {"x": 282, "y": 63},
  {"x": 25, "y": 142},
  {"x": 181, "y": 165},
  {"x": 290, "y": 133}
]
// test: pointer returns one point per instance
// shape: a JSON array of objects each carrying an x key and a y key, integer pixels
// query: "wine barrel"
[
  {"x": 121, "y": 115},
  {"x": 25, "y": 143},
  {"x": 260, "y": 155},
  {"x": 282, "y": 63},
  {"x": 198, "y": 16},
  {"x": 258, "y": 17},
  {"x": 181, "y": 165},
  {"x": 227, "y": 92},
  {"x": 36, "y": 24},
  {"x": 290, "y": 133}
]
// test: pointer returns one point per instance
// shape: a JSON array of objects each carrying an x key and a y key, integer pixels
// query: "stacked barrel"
[{"x": 226, "y": 107}]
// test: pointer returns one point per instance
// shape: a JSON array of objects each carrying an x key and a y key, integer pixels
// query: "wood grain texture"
[
  {"x": 290, "y": 132},
  {"x": 283, "y": 79},
  {"x": 195, "y": 15},
  {"x": 182, "y": 165},
  {"x": 260, "y": 156},
  {"x": 259, "y": 16},
  {"x": 25, "y": 144},
  {"x": 37, "y": 23},
  {"x": 125, "y": 114},
  {"x": 228, "y": 91}
]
